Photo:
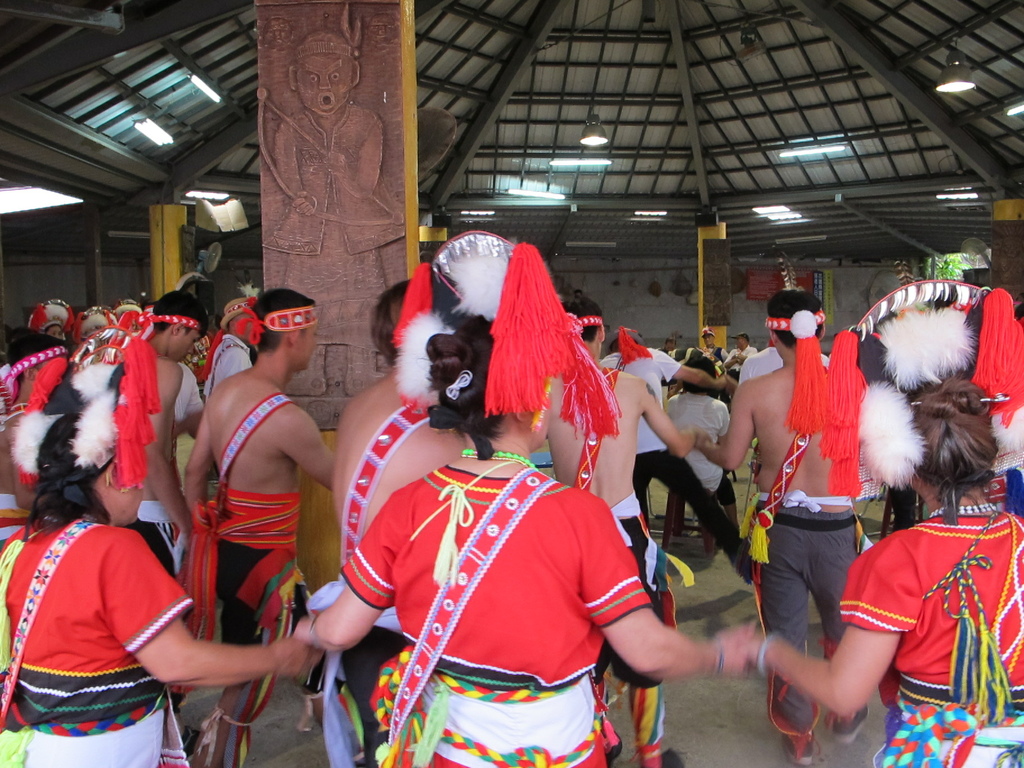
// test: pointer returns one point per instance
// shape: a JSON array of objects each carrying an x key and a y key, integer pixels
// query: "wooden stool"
[{"x": 677, "y": 523}]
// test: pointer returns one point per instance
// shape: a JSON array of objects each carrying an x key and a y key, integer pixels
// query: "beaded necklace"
[
  {"x": 973, "y": 510},
  {"x": 469, "y": 453}
]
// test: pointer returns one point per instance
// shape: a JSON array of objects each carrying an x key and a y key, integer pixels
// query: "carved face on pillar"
[{"x": 325, "y": 72}]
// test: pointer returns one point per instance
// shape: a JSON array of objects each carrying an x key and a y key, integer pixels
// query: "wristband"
[
  {"x": 769, "y": 639},
  {"x": 313, "y": 639}
]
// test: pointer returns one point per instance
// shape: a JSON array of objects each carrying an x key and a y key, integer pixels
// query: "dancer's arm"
[
  {"x": 340, "y": 626},
  {"x": 845, "y": 683},
  {"x": 658, "y": 651},
  {"x": 176, "y": 658}
]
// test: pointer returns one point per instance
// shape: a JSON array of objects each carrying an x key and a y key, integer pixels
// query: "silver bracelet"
[
  {"x": 721, "y": 657},
  {"x": 312, "y": 633},
  {"x": 768, "y": 640}
]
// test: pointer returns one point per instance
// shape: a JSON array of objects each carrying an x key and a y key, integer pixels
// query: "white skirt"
[{"x": 137, "y": 746}]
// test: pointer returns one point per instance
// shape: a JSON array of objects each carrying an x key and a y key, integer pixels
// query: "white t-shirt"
[
  {"x": 749, "y": 352},
  {"x": 711, "y": 415},
  {"x": 232, "y": 357},
  {"x": 766, "y": 361},
  {"x": 188, "y": 400},
  {"x": 653, "y": 370}
]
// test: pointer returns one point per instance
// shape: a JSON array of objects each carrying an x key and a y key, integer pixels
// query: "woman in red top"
[
  {"x": 507, "y": 582},
  {"x": 96, "y": 621},
  {"x": 935, "y": 612}
]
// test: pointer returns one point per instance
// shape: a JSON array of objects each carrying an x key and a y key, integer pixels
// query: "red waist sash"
[{"x": 261, "y": 521}]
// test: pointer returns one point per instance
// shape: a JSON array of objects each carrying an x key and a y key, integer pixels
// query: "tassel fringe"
[
  {"x": 810, "y": 392},
  {"x": 840, "y": 441}
]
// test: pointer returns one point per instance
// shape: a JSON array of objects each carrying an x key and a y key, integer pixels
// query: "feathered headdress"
[
  {"x": 91, "y": 320},
  {"x": 878, "y": 365},
  {"x": 52, "y": 312},
  {"x": 111, "y": 383},
  {"x": 464, "y": 279}
]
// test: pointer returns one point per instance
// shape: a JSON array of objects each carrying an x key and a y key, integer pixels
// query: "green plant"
[{"x": 949, "y": 267}]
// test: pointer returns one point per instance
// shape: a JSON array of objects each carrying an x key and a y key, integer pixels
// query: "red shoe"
[{"x": 800, "y": 749}]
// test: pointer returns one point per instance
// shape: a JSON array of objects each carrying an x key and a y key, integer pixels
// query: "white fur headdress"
[{"x": 464, "y": 279}]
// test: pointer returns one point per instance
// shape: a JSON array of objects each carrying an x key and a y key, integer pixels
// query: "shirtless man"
[
  {"x": 243, "y": 549},
  {"x": 812, "y": 541},
  {"x": 176, "y": 321},
  {"x": 653, "y": 460},
  {"x": 609, "y": 475},
  {"x": 421, "y": 451},
  {"x": 27, "y": 355}
]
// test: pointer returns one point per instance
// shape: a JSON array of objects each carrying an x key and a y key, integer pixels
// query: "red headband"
[
  {"x": 147, "y": 320},
  {"x": 786, "y": 323},
  {"x": 282, "y": 320},
  {"x": 591, "y": 320},
  {"x": 290, "y": 319},
  {"x": 11, "y": 379}
]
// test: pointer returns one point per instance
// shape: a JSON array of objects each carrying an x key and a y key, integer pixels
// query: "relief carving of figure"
[{"x": 327, "y": 156}]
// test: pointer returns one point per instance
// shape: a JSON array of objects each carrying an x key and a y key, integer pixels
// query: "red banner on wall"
[{"x": 765, "y": 282}]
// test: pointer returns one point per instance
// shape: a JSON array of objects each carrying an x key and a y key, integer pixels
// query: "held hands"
[
  {"x": 737, "y": 647},
  {"x": 294, "y": 658}
]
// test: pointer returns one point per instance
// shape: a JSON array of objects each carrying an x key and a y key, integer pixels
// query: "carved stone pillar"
[
  {"x": 1008, "y": 246},
  {"x": 336, "y": 113}
]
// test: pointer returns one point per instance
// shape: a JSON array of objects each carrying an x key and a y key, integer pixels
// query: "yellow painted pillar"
[
  {"x": 165, "y": 256},
  {"x": 1008, "y": 247},
  {"x": 716, "y": 232},
  {"x": 410, "y": 134}
]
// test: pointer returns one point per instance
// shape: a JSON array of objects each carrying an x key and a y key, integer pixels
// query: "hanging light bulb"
[
  {"x": 957, "y": 75},
  {"x": 594, "y": 134}
]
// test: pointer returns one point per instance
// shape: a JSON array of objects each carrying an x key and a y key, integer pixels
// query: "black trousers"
[
  {"x": 362, "y": 663},
  {"x": 679, "y": 477}
]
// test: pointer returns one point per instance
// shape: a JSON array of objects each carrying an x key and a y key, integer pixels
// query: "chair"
[{"x": 677, "y": 523}]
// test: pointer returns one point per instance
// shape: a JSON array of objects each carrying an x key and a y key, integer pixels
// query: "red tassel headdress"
[
  {"x": 531, "y": 338},
  {"x": 631, "y": 346},
  {"x": 113, "y": 410},
  {"x": 807, "y": 409}
]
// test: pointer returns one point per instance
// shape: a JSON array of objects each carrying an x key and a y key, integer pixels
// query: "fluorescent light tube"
[
  {"x": 202, "y": 85},
  {"x": 581, "y": 162},
  {"x": 153, "y": 132},
  {"x": 957, "y": 196},
  {"x": 771, "y": 209},
  {"x": 812, "y": 151},
  {"x": 650, "y": 213},
  {"x": 477, "y": 213},
  {"x": 198, "y": 194},
  {"x": 536, "y": 193}
]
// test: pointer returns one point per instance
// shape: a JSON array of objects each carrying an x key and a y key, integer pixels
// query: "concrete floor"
[{"x": 713, "y": 723}]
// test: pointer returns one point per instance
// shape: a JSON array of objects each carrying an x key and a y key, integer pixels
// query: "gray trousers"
[{"x": 804, "y": 557}]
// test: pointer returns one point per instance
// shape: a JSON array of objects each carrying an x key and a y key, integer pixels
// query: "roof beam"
[
  {"x": 679, "y": 53},
  {"x": 91, "y": 48},
  {"x": 108, "y": 22},
  {"x": 879, "y": 224},
  {"x": 520, "y": 60},
  {"x": 428, "y": 10},
  {"x": 200, "y": 160},
  {"x": 845, "y": 35},
  {"x": 80, "y": 138},
  {"x": 559, "y": 238}
]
